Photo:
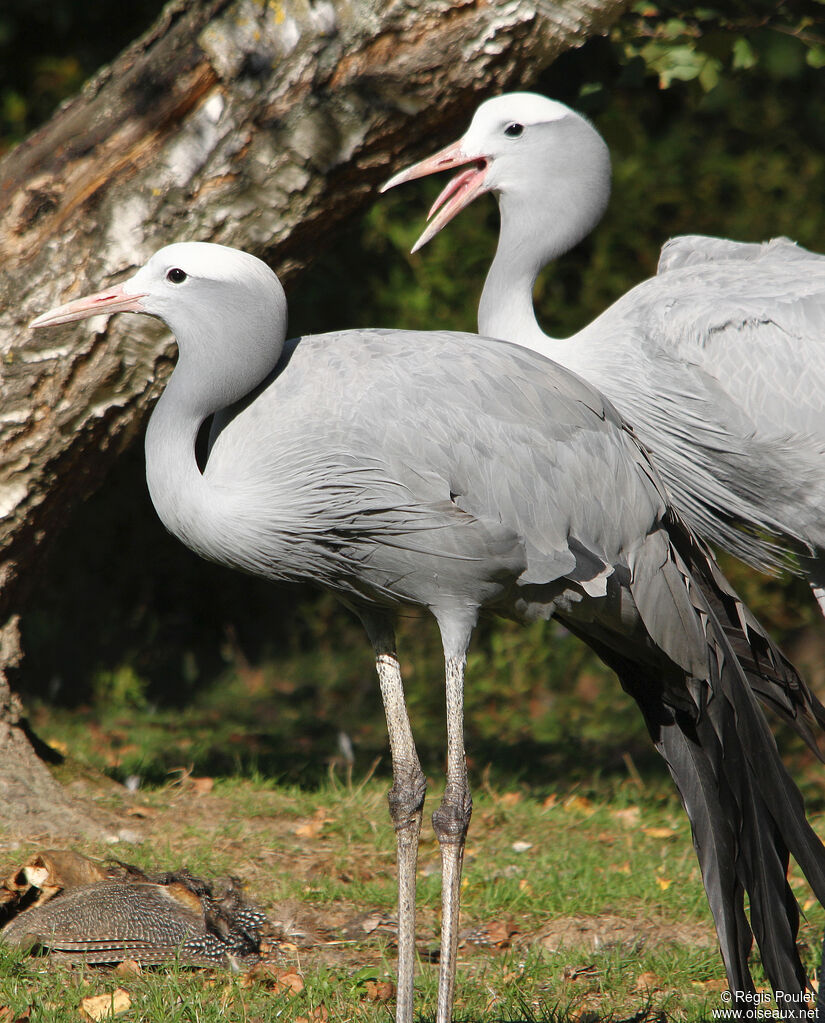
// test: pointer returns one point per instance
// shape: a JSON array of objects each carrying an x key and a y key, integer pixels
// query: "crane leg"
[
  {"x": 450, "y": 822},
  {"x": 406, "y": 802}
]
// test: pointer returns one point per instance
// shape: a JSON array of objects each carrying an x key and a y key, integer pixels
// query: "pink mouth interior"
[{"x": 457, "y": 188}]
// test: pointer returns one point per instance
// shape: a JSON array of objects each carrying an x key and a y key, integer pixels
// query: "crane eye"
[
  {"x": 512, "y": 131},
  {"x": 176, "y": 275}
]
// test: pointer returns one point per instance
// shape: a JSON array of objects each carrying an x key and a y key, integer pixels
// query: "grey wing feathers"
[
  {"x": 695, "y": 249},
  {"x": 719, "y": 364},
  {"x": 770, "y": 674},
  {"x": 444, "y": 421}
]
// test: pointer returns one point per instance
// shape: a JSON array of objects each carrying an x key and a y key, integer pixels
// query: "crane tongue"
[{"x": 459, "y": 192}]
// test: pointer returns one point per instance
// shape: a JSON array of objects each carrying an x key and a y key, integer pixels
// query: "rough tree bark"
[{"x": 257, "y": 125}]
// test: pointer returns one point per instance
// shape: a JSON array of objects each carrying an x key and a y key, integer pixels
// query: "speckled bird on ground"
[{"x": 468, "y": 475}]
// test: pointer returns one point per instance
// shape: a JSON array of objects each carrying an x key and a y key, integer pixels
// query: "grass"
[
  {"x": 575, "y": 908},
  {"x": 581, "y": 894}
]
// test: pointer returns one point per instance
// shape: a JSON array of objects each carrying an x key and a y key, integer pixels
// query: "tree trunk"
[{"x": 257, "y": 125}]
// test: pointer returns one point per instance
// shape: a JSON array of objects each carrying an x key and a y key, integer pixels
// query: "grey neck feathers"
[
  {"x": 212, "y": 373},
  {"x": 550, "y": 209}
]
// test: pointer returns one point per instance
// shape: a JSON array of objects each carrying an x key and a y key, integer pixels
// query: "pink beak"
[
  {"x": 113, "y": 300},
  {"x": 459, "y": 192}
]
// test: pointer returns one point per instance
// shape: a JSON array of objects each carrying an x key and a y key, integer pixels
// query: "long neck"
[
  {"x": 179, "y": 492},
  {"x": 550, "y": 206},
  {"x": 221, "y": 361},
  {"x": 506, "y": 307}
]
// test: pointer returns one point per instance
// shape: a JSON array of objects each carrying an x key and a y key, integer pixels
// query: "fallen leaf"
[
  {"x": 580, "y": 803},
  {"x": 658, "y": 832},
  {"x": 664, "y": 883},
  {"x": 521, "y": 847},
  {"x": 202, "y": 786},
  {"x": 7, "y": 1015},
  {"x": 499, "y": 932},
  {"x": 291, "y": 983},
  {"x": 140, "y": 811},
  {"x": 380, "y": 990},
  {"x": 129, "y": 968},
  {"x": 550, "y": 801},
  {"x": 622, "y": 868},
  {"x": 648, "y": 982},
  {"x": 97, "y": 1007},
  {"x": 629, "y": 817},
  {"x": 510, "y": 798},
  {"x": 308, "y": 829},
  {"x": 711, "y": 985}
]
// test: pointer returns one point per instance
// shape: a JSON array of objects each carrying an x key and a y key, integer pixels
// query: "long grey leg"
[
  {"x": 406, "y": 801},
  {"x": 450, "y": 822}
]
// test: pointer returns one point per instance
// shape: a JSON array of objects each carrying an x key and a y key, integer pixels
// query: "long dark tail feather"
[
  {"x": 770, "y": 674},
  {"x": 715, "y": 842},
  {"x": 745, "y": 811}
]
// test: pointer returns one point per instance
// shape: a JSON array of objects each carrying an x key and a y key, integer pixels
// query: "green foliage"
[
  {"x": 49, "y": 47},
  {"x": 621, "y": 862},
  {"x": 682, "y": 43}
]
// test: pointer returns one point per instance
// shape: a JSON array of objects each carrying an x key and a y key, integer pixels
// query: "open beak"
[
  {"x": 112, "y": 300},
  {"x": 460, "y": 191}
]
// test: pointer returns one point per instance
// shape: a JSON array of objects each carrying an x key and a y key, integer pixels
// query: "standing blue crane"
[
  {"x": 464, "y": 475},
  {"x": 718, "y": 362}
]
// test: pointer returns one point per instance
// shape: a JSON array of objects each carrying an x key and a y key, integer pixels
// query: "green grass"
[
  {"x": 316, "y": 860},
  {"x": 576, "y": 829}
]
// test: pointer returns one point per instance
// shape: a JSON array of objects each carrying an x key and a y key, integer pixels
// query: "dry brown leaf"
[
  {"x": 648, "y": 982},
  {"x": 308, "y": 829},
  {"x": 140, "y": 811},
  {"x": 292, "y": 983},
  {"x": 629, "y": 817},
  {"x": 658, "y": 832},
  {"x": 499, "y": 932},
  {"x": 579, "y": 803},
  {"x": 664, "y": 883},
  {"x": 380, "y": 990},
  {"x": 202, "y": 786},
  {"x": 711, "y": 985},
  {"x": 510, "y": 798},
  {"x": 7, "y": 1015},
  {"x": 550, "y": 801},
  {"x": 272, "y": 976},
  {"x": 319, "y": 1015},
  {"x": 129, "y": 968},
  {"x": 97, "y": 1007}
]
